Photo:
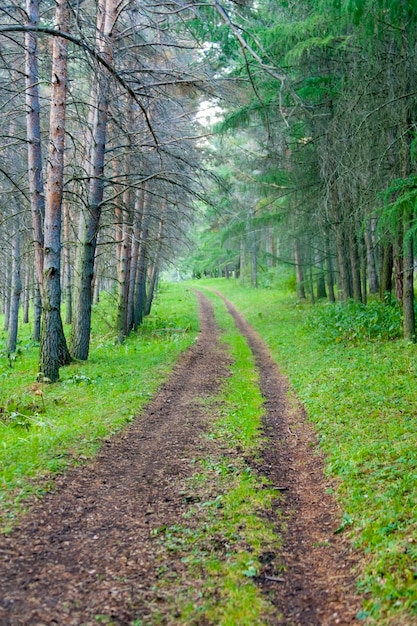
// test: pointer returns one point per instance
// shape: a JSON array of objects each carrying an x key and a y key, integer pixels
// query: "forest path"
[{"x": 87, "y": 549}]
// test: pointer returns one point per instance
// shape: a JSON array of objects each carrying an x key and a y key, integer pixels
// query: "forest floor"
[{"x": 87, "y": 552}]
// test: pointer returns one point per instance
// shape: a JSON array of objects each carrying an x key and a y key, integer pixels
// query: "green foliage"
[{"x": 356, "y": 322}]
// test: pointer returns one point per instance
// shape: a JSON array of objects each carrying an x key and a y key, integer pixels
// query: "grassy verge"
[
  {"x": 44, "y": 428},
  {"x": 225, "y": 535},
  {"x": 361, "y": 397}
]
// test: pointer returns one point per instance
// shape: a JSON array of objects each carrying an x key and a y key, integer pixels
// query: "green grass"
[
  {"x": 42, "y": 434},
  {"x": 362, "y": 398},
  {"x": 224, "y": 533}
]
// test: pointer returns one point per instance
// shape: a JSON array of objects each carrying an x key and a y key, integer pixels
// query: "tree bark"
[
  {"x": 386, "y": 270},
  {"x": 140, "y": 291},
  {"x": 409, "y": 325},
  {"x": 90, "y": 219},
  {"x": 54, "y": 351},
  {"x": 299, "y": 272},
  {"x": 67, "y": 266},
  {"x": 16, "y": 289},
  {"x": 33, "y": 126},
  {"x": 343, "y": 264},
  {"x": 355, "y": 266},
  {"x": 371, "y": 257},
  {"x": 329, "y": 269},
  {"x": 137, "y": 225}
]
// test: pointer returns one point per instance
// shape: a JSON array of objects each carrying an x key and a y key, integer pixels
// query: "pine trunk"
[
  {"x": 90, "y": 218},
  {"x": 33, "y": 126},
  {"x": 54, "y": 352},
  {"x": 409, "y": 325},
  {"x": 16, "y": 289}
]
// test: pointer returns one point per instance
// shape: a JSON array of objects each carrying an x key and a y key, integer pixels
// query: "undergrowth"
[
  {"x": 360, "y": 393},
  {"x": 224, "y": 536},
  {"x": 44, "y": 428},
  {"x": 356, "y": 322}
]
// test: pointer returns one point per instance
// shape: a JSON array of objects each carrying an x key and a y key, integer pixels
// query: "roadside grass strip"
[
  {"x": 361, "y": 395},
  {"x": 45, "y": 428},
  {"x": 225, "y": 530}
]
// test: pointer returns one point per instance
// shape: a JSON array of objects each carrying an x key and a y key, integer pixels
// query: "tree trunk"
[
  {"x": 299, "y": 272},
  {"x": 242, "y": 260},
  {"x": 409, "y": 325},
  {"x": 16, "y": 289},
  {"x": 321, "y": 285},
  {"x": 123, "y": 278},
  {"x": 36, "y": 187},
  {"x": 343, "y": 264},
  {"x": 153, "y": 283},
  {"x": 54, "y": 352},
  {"x": 329, "y": 269},
  {"x": 355, "y": 265},
  {"x": 386, "y": 270},
  {"x": 398, "y": 262},
  {"x": 67, "y": 266},
  {"x": 90, "y": 219},
  {"x": 153, "y": 278},
  {"x": 7, "y": 292},
  {"x": 28, "y": 280},
  {"x": 371, "y": 257},
  {"x": 140, "y": 292},
  {"x": 37, "y": 313},
  {"x": 137, "y": 224}
]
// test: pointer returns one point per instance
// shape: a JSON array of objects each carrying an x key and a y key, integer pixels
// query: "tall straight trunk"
[
  {"x": 140, "y": 291},
  {"x": 137, "y": 225},
  {"x": 253, "y": 255},
  {"x": 311, "y": 281},
  {"x": 242, "y": 260},
  {"x": 67, "y": 265},
  {"x": 28, "y": 280},
  {"x": 329, "y": 269},
  {"x": 321, "y": 285},
  {"x": 354, "y": 265},
  {"x": 16, "y": 288},
  {"x": 54, "y": 351},
  {"x": 299, "y": 272},
  {"x": 33, "y": 128},
  {"x": 90, "y": 218},
  {"x": 125, "y": 259},
  {"x": 343, "y": 262},
  {"x": 398, "y": 261},
  {"x": 96, "y": 283},
  {"x": 7, "y": 292},
  {"x": 387, "y": 263},
  {"x": 152, "y": 287},
  {"x": 37, "y": 313},
  {"x": 363, "y": 268},
  {"x": 371, "y": 256},
  {"x": 409, "y": 325},
  {"x": 154, "y": 270},
  {"x": 123, "y": 278}
]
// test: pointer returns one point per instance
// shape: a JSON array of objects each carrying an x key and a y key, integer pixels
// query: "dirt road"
[{"x": 87, "y": 550}]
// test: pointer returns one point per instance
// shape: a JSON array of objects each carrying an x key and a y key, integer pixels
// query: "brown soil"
[
  {"x": 87, "y": 549},
  {"x": 317, "y": 587}
]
